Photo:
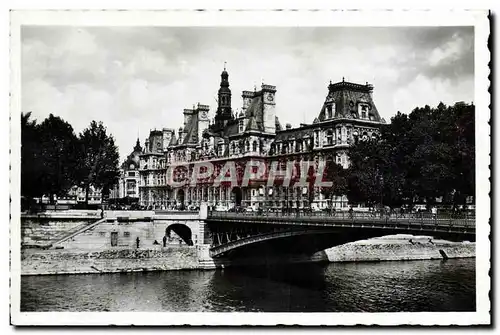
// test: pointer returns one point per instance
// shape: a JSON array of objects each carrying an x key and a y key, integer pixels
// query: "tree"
[
  {"x": 30, "y": 157},
  {"x": 58, "y": 156},
  {"x": 365, "y": 173},
  {"x": 337, "y": 175},
  {"x": 99, "y": 159},
  {"x": 421, "y": 156}
]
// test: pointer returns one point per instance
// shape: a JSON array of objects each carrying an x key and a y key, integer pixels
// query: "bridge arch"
[{"x": 182, "y": 230}]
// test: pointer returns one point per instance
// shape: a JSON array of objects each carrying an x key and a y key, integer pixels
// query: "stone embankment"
[
  {"x": 108, "y": 261},
  {"x": 400, "y": 247}
]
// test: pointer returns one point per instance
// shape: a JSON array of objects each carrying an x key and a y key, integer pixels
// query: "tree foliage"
[
  {"x": 427, "y": 154},
  {"x": 98, "y": 159},
  {"x": 54, "y": 159},
  {"x": 30, "y": 157}
]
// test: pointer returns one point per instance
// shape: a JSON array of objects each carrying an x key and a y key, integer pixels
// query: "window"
[
  {"x": 254, "y": 146},
  {"x": 240, "y": 124},
  {"x": 298, "y": 146},
  {"x": 114, "y": 239},
  {"x": 329, "y": 137},
  {"x": 131, "y": 174},
  {"x": 328, "y": 112}
]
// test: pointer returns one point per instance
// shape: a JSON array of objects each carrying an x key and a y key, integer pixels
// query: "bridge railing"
[{"x": 462, "y": 219}]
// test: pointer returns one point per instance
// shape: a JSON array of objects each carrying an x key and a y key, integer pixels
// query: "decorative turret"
[
  {"x": 137, "y": 147},
  {"x": 224, "y": 112}
]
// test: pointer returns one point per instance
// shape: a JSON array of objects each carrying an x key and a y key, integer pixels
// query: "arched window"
[
  {"x": 254, "y": 146},
  {"x": 247, "y": 146}
]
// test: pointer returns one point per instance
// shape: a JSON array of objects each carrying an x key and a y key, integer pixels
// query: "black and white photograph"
[{"x": 250, "y": 168}]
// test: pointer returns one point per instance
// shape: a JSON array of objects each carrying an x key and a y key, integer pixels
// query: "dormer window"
[{"x": 363, "y": 111}]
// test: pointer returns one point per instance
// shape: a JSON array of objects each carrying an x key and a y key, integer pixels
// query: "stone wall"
[
  {"x": 99, "y": 237},
  {"x": 399, "y": 248},
  {"x": 44, "y": 232},
  {"x": 105, "y": 261}
]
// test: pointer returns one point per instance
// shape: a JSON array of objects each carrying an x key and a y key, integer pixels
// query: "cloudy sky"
[{"x": 138, "y": 78}]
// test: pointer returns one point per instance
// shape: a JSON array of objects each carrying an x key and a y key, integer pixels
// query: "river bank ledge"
[{"x": 390, "y": 248}]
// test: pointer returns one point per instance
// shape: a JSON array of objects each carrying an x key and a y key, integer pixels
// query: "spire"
[
  {"x": 137, "y": 145},
  {"x": 224, "y": 112}
]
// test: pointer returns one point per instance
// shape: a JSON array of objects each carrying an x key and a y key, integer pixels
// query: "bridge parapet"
[{"x": 464, "y": 220}]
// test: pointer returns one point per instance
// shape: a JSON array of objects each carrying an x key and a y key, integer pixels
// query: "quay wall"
[
  {"x": 108, "y": 261},
  {"x": 399, "y": 248},
  {"x": 91, "y": 252}
]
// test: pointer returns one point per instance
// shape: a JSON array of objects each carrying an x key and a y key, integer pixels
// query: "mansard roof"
[
  {"x": 347, "y": 96},
  {"x": 191, "y": 130},
  {"x": 255, "y": 114}
]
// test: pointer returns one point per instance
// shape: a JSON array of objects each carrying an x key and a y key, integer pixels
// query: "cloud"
[{"x": 134, "y": 79}]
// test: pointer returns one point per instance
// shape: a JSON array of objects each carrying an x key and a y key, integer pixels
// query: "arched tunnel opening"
[{"x": 183, "y": 231}]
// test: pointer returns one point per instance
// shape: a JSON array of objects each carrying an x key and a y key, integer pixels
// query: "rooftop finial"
[
  {"x": 342, "y": 79},
  {"x": 225, "y": 65},
  {"x": 330, "y": 82}
]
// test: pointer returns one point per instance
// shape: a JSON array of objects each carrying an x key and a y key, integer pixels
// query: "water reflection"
[{"x": 350, "y": 287}]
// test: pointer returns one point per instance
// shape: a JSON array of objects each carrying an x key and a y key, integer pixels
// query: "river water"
[{"x": 411, "y": 286}]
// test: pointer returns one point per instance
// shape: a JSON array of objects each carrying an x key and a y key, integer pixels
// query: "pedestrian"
[
  {"x": 137, "y": 242},
  {"x": 164, "y": 241},
  {"x": 351, "y": 211},
  {"x": 102, "y": 213},
  {"x": 434, "y": 212}
]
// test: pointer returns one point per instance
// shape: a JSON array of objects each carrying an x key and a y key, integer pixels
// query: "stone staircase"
[{"x": 43, "y": 234}]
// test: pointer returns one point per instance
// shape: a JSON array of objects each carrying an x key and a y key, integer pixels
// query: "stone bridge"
[{"x": 233, "y": 234}]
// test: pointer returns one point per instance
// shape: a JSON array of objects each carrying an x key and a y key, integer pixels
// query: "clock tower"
[
  {"x": 269, "y": 115},
  {"x": 224, "y": 112}
]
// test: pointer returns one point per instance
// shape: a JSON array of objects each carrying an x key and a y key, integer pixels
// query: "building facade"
[
  {"x": 251, "y": 134},
  {"x": 127, "y": 188}
]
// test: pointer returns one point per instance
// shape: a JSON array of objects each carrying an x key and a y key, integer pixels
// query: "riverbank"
[
  {"x": 400, "y": 248},
  {"x": 390, "y": 248},
  {"x": 48, "y": 262}
]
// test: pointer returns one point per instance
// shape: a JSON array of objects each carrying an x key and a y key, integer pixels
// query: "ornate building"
[
  {"x": 127, "y": 188},
  {"x": 252, "y": 134}
]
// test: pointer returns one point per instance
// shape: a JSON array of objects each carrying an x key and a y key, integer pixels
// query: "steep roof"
[
  {"x": 255, "y": 114},
  {"x": 347, "y": 96},
  {"x": 191, "y": 130}
]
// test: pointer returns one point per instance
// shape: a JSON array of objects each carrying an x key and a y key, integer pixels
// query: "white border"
[{"x": 266, "y": 18}]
